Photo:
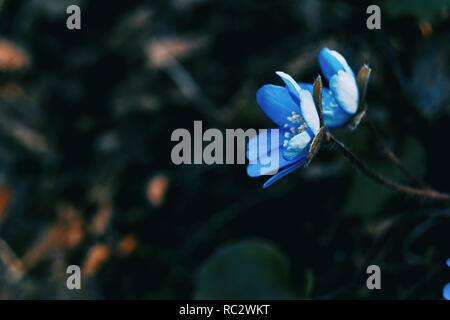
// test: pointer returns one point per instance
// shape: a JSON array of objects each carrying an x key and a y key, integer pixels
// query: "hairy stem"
[{"x": 422, "y": 193}]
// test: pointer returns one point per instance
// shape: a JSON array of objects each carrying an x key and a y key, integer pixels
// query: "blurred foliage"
[
  {"x": 86, "y": 177},
  {"x": 422, "y": 10},
  {"x": 246, "y": 270},
  {"x": 366, "y": 198}
]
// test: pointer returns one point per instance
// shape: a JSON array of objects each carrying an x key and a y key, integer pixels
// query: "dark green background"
[{"x": 218, "y": 234}]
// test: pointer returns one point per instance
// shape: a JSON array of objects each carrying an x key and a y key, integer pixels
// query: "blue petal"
[
  {"x": 263, "y": 162},
  {"x": 276, "y": 103},
  {"x": 328, "y": 98},
  {"x": 298, "y": 163},
  {"x": 292, "y": 87},
  {"x": 309, "y": 112},
  {"x": 298, "y": 146},
  {"x": 446, "y": 291},
  {"x": 331, "y": 62},
  {"x": 251, "y": 151},
  {"x": 345, "y": 91},
  {"x": 259, "y": 169},
  {"x": 334, "y": 116},
  {"x": 306, "y": 86}
]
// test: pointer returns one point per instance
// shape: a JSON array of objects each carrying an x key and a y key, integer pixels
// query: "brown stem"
[
  {"x": 393, "y": 157},
  {"x": 422, "y": 193}
]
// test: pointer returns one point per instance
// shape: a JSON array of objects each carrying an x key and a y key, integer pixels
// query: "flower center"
[
  {"x": 296, "y": 126},
  {"x": 328, "y": 97}
]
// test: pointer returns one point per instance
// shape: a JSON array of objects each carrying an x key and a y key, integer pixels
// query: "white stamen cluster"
[
  {"x": 297, "y": 126},
  {"x": 331, "y": 98}
]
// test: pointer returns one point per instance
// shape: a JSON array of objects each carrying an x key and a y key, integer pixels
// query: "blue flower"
[
  {"x": 293, "y": 109},
  {"x": 340, "y": 101},
  {"x": 446, "y": 289}
]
